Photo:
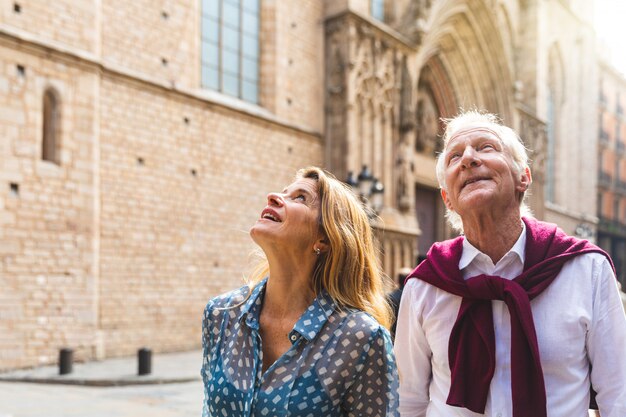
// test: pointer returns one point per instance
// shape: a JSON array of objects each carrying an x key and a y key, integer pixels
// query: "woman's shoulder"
[
  {"x": 231, "y": 300},
  {"x": 361, "y": 324}
]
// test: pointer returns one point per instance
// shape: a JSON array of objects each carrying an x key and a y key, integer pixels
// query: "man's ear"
[
  {"x": 446, "y": 200},
  {"x": 525, "y": 180}
]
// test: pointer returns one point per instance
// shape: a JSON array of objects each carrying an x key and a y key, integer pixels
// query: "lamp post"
[
  {"x": 583, "y": 231},
  {"x": 370, "y": 189}
]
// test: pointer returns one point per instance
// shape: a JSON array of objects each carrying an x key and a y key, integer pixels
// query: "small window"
[
  {"x": 378, "y": 9},
  {"x": 230, "y": 47},
  {"x": 51, "y": 124}
]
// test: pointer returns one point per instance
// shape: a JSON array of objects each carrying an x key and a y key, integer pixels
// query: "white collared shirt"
[{"x": 579, "y": 320}]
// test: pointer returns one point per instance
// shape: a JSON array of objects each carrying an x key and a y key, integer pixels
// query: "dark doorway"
[{"x": 427, "y": 209}]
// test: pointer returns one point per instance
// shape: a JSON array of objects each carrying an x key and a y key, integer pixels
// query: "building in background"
[
  {"x": 139, "y": 140},
  {"x": 612, "y": 167}
]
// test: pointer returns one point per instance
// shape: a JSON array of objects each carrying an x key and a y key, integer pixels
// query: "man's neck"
[{"x": 493, "y": 237}]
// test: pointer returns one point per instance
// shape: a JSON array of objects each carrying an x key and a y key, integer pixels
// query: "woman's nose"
[{"x": 274, "y": 199}]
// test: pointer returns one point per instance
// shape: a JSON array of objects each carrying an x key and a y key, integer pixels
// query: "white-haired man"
[{"x": 514, "y": 318}]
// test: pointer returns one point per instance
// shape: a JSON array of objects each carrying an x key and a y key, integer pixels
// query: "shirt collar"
[
  {"x": 251, "y": 308},
  {"x": 309, "y": 324},
  {"x": 470, "y": 252},
  {"x": 315, "y": 316}
]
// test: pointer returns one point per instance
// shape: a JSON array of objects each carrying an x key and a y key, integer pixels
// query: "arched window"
[{"x": 51, "y": 125}]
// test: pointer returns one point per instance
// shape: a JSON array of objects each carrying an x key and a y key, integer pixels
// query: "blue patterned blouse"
[{"x": 341, "y": 362}]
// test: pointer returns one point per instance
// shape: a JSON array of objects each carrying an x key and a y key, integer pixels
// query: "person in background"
[
  {"x": 396, "y": 295},
  {"x": 514, "y": 318},
  {"x": 308, "y": 336}
]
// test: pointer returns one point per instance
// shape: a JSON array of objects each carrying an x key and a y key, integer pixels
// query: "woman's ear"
[{"x": 322, "y": 244}]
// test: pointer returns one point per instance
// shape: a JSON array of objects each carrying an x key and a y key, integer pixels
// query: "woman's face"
[{"x": 290, "y": 217}]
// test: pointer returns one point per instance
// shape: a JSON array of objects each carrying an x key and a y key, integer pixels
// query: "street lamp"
[
  {"x": 370, "y": 189},
  {"x": 583, "y": 231},
  {"x": 376, "y": 198},
  {"x": 365, "y": 182}
]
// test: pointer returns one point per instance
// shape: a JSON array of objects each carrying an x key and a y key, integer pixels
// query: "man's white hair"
[{"x": 510, "y": 140}]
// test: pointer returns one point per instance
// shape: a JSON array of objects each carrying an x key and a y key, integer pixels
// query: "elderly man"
[{"x": 514, "y": 318}]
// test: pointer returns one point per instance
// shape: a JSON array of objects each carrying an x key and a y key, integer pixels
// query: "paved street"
[
  {"x": 107, "y": 388},
  {"x": 51, "y": 400}
]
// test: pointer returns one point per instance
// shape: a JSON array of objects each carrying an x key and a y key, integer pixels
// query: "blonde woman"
[{"x": 307, "y": 336}]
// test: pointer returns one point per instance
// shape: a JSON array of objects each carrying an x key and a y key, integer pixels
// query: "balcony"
[
  {"x": 604, "y": 137},
  {"x": 620, "y": 186},
  {"x": 602, "y": 98},
  {"x": 604, "y": 179},
  {"x": 612, "y": 226}
]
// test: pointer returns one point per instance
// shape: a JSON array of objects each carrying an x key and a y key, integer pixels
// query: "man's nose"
[{"x": 470, "y": 157}]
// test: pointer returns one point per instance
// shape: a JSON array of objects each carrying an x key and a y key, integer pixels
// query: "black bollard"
[
  {"x": 144, "y": 359},
  {"x": 66, "y": 357}
]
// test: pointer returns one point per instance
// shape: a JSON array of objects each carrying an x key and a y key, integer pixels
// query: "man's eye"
[
  {"x": 452, "y": 157},
  {"x": 488, "y": 146}
]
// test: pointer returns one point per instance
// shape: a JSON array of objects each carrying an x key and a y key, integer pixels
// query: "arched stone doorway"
[{"x": 463, "y": 64}]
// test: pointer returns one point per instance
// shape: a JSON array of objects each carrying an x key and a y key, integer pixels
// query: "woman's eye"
[{"x": 300, "y": 197}]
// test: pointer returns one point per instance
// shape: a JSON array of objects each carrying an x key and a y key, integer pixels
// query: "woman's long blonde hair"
[{"x": 350, "y": 269}]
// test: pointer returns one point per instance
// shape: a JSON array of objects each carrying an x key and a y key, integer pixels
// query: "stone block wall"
[
  {"x": 567, "y": 56},
  {"x": 71, "y": 23},
  {"x": 147, "y": 215},
  {"x": 46, "y": 212},
  {"x": 299, "y": 62},
  {"x": 160, "y": 40},
  {"x": 182, "y": 182}
]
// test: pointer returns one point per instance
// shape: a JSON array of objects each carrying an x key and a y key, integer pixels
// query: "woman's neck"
[{"x": 289, "y": 291}]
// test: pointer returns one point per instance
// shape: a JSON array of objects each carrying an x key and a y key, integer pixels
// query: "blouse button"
[{"x": 293, "y": 337}]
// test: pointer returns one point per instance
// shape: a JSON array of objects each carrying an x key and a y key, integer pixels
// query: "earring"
[{"x": 317, "y": 251}]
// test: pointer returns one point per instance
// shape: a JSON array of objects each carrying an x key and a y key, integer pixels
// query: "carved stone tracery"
[
  {"x": 404, "y": 162},
  {"x": 427, "y": 114},
  {"x": 534, "y": 134},
  {"x": 371, "y": 119},
  {"x": 413, "y": 20}
]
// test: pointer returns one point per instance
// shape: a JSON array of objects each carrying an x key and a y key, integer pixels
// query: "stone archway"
[{"x": 463, "y": 63}]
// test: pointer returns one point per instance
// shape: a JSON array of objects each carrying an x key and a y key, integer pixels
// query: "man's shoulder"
[
  {"x": 591, "y": 259},
  {"x": 419, "y": 288}
]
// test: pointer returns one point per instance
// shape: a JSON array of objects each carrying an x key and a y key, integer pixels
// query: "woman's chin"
[{"x": 261, "y": 236}]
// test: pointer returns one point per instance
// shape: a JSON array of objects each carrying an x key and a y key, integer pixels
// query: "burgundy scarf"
[{"x": 471, "y": 349}]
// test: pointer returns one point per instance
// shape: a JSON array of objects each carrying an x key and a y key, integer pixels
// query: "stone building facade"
[
  {"x": 139, "y": 140},
  {"x": 612, "y": 167}
]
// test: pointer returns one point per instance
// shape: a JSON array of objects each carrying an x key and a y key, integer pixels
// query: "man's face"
[{"x": 480, "y": 173}]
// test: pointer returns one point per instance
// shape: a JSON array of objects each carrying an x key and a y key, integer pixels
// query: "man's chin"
[{"x": 474, "y": 199}]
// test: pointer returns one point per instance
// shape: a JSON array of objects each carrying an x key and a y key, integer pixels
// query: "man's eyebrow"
[{"x": 476, "y": 138}]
